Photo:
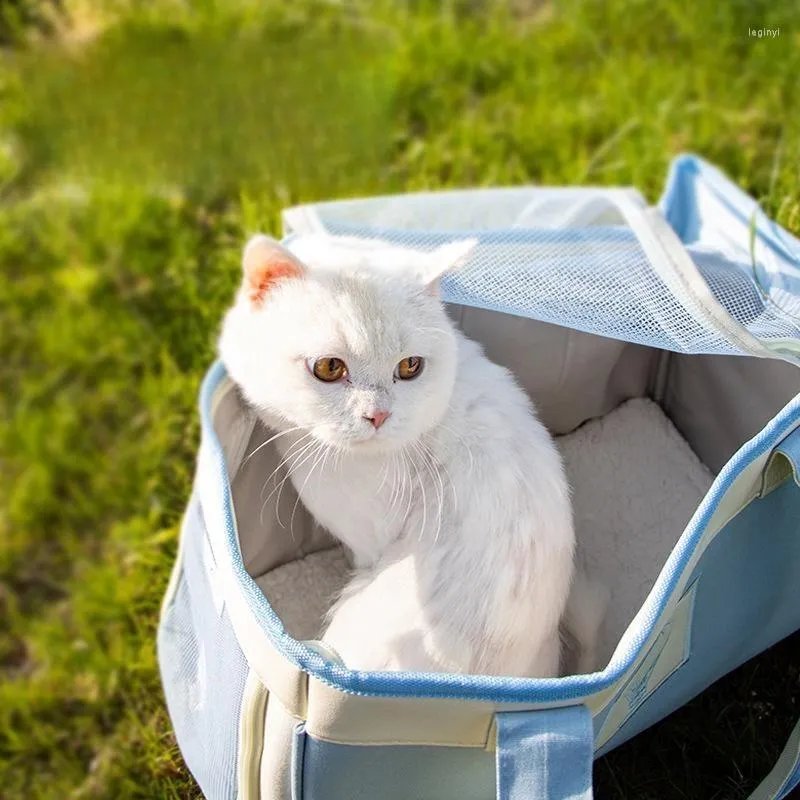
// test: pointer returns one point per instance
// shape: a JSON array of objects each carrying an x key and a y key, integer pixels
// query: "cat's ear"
[
  {"x": 444, "y": 259},
  {"x": 266, "y": 261}
]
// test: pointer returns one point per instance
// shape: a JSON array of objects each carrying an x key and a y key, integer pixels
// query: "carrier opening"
[{"x": 642, "y": 432}]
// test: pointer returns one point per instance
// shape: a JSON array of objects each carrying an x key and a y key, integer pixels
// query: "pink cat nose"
[{"x": 377, "y": 418}]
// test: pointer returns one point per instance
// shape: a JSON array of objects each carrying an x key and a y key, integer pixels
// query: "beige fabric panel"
[
  {"x": 276, "y": 757},
  {"x": 720, "y": 402},
  {"x": 355, "y": 719}
]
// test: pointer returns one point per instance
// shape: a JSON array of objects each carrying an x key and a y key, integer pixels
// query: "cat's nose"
[{"x": 377, "y": 418}]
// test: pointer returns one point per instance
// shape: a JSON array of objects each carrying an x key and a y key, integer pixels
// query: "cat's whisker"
[
  {"x": 310, "y": 452},
  {"x": 322, "y": 455},
  {"x": 284, "y": 461},
  {"x": 406, "y": 485},
  {"x": 398, "y": 484},
  {"x": 409, "y": 482},
  {"x": 339, "y": 462},
  {"x": 279, "y": 488},
  {"x": 385, "y": 472},
  {"x": 441, "y": 497},
  {"x": 269, "y": 441},
  {"x": 424, "y": 494},
  {"x": 443, "y": 465},
  {"x": 434, "y": 471},
  {"x": 453, "y": 487},
  {"x": 401, "y": 482},
  {"x": 389, "y": 469}
]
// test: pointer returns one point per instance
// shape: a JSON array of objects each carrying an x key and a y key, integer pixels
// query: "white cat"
[{"x": 418, "y": 453}]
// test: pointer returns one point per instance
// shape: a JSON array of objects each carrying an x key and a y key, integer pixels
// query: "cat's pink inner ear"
[{"x": 266, "y": 262}]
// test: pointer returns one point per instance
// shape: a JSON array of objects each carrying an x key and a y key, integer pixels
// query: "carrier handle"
[
  {"x": 545, "y": 755},
  {"x": 785, "y": 775}
]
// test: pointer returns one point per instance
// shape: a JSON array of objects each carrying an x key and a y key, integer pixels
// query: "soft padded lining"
[{"x": 636, "y": 483}]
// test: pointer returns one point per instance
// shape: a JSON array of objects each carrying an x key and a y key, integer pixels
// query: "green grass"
[{"x": 132, "y": 166}]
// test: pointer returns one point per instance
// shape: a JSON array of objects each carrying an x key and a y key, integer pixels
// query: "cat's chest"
[{"x": 361, "y": 502}]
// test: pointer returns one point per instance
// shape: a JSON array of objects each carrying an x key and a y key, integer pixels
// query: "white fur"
[{"x": 456, "y": 510}]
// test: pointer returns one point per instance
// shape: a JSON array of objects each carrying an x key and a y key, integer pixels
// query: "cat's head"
[{"x": 344, "y": 339}]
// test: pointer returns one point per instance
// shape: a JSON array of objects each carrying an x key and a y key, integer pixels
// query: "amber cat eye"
[
  {"x": 409, "y": 368},
  {"x": 329, "y": 369}
]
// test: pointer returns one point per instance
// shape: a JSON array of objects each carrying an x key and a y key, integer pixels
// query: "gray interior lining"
[
  {"x": 572, "y": 376},
  {"x": 720, "y": 402}
]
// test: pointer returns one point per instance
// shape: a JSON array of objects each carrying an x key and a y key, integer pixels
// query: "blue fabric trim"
[
  {"x": 483, "y": 687},
  {"x": 545, "y": 755}
]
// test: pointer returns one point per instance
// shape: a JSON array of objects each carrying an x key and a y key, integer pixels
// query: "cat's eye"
[
  {"x": 329, "y": 369},
  {"x": 409, "y": 368}
]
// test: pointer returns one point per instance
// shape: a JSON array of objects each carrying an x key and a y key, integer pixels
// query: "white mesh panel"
[
  {"x": 594, "y": 279},
  {"x": 766, "y": 311},
  {"x": 568, "y": 257}
]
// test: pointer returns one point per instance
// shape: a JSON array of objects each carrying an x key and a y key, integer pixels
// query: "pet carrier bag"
[{"x": 661, "y": 347}]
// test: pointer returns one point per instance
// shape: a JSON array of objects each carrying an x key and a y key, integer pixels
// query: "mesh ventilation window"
[{"x": 203, "y": 670}]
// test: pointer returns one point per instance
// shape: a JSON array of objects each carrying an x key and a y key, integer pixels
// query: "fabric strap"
[
  {"x": 545, "y": 755},
  {"x": 785, "y": 776}
]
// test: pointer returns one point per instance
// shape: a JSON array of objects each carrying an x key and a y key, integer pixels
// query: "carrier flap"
[{"x": 598, "y": 260}]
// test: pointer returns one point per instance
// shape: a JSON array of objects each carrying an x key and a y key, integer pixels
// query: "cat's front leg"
[{"x": 547, "y": 661}]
